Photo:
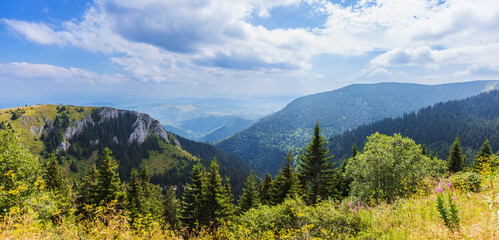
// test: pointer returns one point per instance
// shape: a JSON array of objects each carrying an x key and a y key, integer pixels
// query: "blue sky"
[{"x": 110, "y": 49}]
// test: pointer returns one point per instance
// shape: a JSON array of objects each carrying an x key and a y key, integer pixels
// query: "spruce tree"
[
  {"x": 135, "y": 197},
  {"x": 228, "y": 197},
  {"x": 53, "y": 175},
  {"x": 315, "y": 168},
  {"x": 483, "y": 156},
  {"x": 286, "y": 183},
  {"x": 214, "y": 197},
  {"x": 87, "y": 192},
  {"x": 423, "y": 150},
  {"x": 108, "y": 186},
  {"x": 455, "y": 162},
  {"x": 264, "y": 190},
  {"x": 354, "y": 150},
  {"x": 153, "y": 197},
  {"x": 193, "y": 199},
  {"x": 249, "y": 199},
  {"x": 170, "y": 206}
]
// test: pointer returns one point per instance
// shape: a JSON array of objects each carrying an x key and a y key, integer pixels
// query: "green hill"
[
  {"x": 473, "y": 119},
  {"x": 264, "y": 144},
  {"x": 79, "y": 134}
]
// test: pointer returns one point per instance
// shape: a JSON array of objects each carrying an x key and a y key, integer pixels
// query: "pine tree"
[
  {"x": 264, "y": 189},
  {"x": 87, "y": 192},
  {"x": 170, "y": 206},
  {"x": 214, "y": 197},
  {"x": 315, "y": 168},
  {"x": 152, "y": 195},
  {"x": 53, "y": 175},
  {"x": 228, "y": 197},
  {"x": 455, "y": 162},
  {"x": 192, "y": 201},
  {"x": 423, "y": 150},
  {"x": 483, "y": 156},
  {"x": 108, "y": 186},
  {"x": 249, "y": 199},
  {"x": 354, "y": 150},
  {"x": 135, "y": 197},
  {"x": 286, "y": 183}
]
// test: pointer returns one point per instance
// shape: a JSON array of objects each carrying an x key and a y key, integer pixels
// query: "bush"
[
  {"x": 467, "y": 181},
  {"x": 294, "y": 219}
]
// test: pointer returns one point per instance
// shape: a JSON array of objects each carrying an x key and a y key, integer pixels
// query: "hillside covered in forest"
[
  {"x": 78, "y": 136},
  {"x": 473, "y": 120},
  {"x": 265, "y": 143}
]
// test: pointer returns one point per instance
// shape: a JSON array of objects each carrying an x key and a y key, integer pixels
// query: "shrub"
[{"x": 467, "y": 181}]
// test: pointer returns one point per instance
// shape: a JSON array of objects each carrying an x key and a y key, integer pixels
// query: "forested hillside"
[
  {"x": 265, "y": 143},
  {"x": 78, "y": 136},
  {"x": 473, "y": 119}
]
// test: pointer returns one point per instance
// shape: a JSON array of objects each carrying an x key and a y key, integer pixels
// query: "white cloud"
[
  {"x": 184, "y": 41},
  {"x": 29, "y": 71}
]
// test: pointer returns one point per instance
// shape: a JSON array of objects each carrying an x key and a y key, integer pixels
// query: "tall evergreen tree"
[
  {"x": 214, "y": 197},
  {"x": 53, "y": 176},
  {"x": 483, "y": 156},
  {"x": 315, "y": 168},
  {"x": 87, "y": 192},
  {"x": 286, "y": 183},
  {"x": 108, "y": 186},
  {"x": 228, "y": 197},
  {"x": 423, "y": 150},
  {"x": 170, "y": 206},
  {"x": 192, "y": 201},
  {"x": 455, "y": 162},
  {"x": 153, "y": 197},
  {"x": 249, "y": 199},
  {"x": 135, "y": 197},
  {"x": 264, "y": 189},
  {"x": 354, "y": 150}
]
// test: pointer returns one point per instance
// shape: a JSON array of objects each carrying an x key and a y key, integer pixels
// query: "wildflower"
[
  {"x": 439, "y": 189},
  {"x": 449, "y": 185},
  {"x": 454, "y": 198}
]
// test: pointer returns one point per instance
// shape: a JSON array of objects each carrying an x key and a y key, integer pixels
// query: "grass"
[{"x": 411, "y": 218}]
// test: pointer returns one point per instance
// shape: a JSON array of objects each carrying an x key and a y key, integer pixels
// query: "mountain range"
[{"x": 264, "y": 144}]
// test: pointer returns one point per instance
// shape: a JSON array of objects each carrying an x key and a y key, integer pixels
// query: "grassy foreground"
[{"x": 415, "y": 217}]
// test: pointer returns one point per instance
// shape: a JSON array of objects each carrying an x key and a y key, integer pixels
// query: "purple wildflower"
[
  {"x": 439, "y": 189},
  {"x": 449, "y": 185}
]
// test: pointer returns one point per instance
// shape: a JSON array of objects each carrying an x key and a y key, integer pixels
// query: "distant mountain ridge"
[
  {"x": 264, "y": 144},
  {"x": 473, "y": 119}
]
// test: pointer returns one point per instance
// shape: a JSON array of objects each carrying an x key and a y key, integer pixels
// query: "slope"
[
  {"x": 264, "y": 144},
  {"x": 473, "y": 119},
  {"x": 79, "y": 134}
]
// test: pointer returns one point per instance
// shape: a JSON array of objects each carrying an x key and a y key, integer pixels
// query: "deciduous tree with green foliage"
[
  {"x": 385, "y": 163},
  {"x": 315, "y": 168}
]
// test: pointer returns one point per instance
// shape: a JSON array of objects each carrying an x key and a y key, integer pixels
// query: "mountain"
[
  {"x": 79, "y": 134},
  {"x": 195, "y": 118},
  {"x": 473, "y": 119},
  {"x": 236, "y": 125},
  {"x": 264, "y": 144}
]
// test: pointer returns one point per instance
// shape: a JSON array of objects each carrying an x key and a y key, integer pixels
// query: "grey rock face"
[
  {"x": 63, "y": 146},
  {"x": 77, "y": 128}
]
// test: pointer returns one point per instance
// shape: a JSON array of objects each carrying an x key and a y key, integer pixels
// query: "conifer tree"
[
  {"x": 193, "y": 199},
  {"x": 354, "y": 150},
  {"x": 315, "y": 168},
  {"x": 249, "y": 199},
  {"x": 483, "y": 156},
  {"x": 286, "y": 183},
  {"x": 170, "y": 206},
  {"x": 108, "y": 186},
  {"x": 214, "y": 197},
  {"x": 135, "y": 197},
  {"x": 53, "y": 175},
  {"x": 152, "y": 195},
  {"x": 455, "y": 162},
  {"x": 264, "y": 189},
  {"x": 423, "y": 150},
  {"x": 229, "y": 198},
  {"x": 87, "y": 192}
]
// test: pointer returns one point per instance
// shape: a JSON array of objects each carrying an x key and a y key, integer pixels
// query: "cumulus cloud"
[
  {"x": 165, "y": 41},
  {"x": 29, "y": 71}
]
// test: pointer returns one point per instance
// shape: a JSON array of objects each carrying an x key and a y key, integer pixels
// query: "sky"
[{"x": 107, "y": 50}]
